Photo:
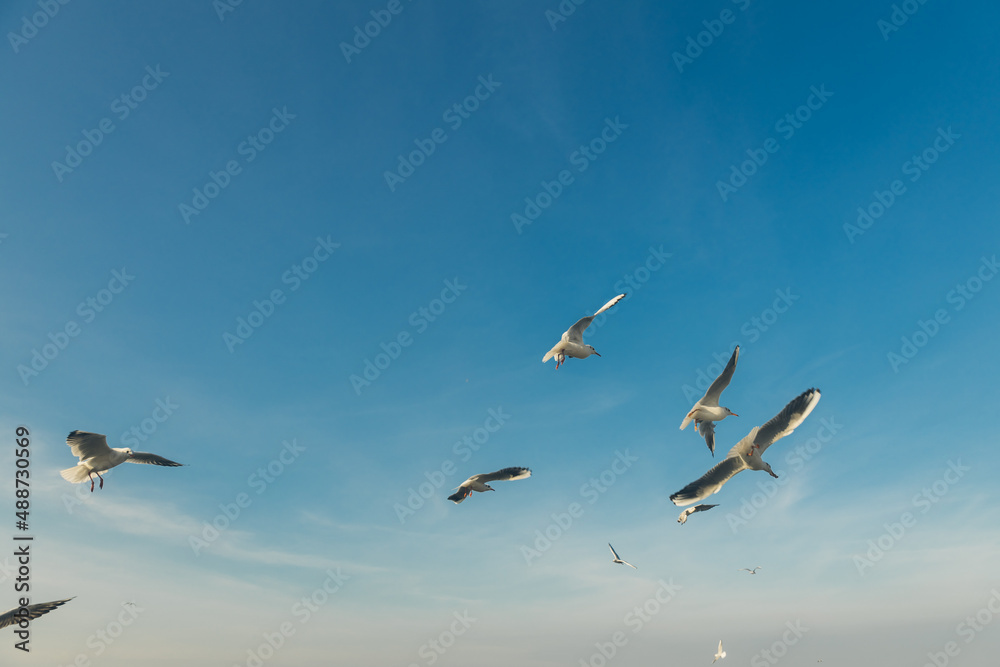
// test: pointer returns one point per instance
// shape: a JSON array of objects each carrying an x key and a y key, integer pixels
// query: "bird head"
[
  {"x": 767, "y": 467},
  {"x": 592, "y": 350},
  {"x": 489, "y": 488},
  {"x": 730, "y": 412},
  {"x": 128, "y": 453}
]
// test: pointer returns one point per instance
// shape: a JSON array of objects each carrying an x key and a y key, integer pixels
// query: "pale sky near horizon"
[{"x": 321, "y": 267}]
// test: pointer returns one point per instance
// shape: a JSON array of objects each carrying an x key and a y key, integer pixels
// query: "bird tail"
[
  {"x": 460, "y": 495},
  {"x": 687, "y": 420},
  {"x": 76, "y": 474},
  {"x": 548, "y": 355}
]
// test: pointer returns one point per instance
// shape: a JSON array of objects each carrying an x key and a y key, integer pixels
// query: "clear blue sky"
[{"x": 217, "y": 222}]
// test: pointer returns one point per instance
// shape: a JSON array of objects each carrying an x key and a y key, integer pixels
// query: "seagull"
[
  {"x": 753, "y": 571},
  {"x": 571, "y": 343},
  {"x": 746, "y": 454},
  {"x": 720, "y": 653},
  {"x": 479, "y": 482},
  {"x": 96, "y": 457},
  {"x": 33, "y": 611},
  {"x": 691, "y": 510},
  {"x": 618, "y": 560},
  {"x": 707, "y": 411}
]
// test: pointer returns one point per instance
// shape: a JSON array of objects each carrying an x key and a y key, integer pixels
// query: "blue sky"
[{"x": 214, "y": 220}]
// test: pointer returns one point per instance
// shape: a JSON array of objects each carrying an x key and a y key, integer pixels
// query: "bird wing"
[
  {"x": 551, "y": 353},
  {"x": 711, "y": 397},
  {"x": 460, "y": 495},
  {"x": 630, "y": 565},
  {"x": 702, "y": 508},
  {"x": 87, "y": 445},
  {"x": 575, "y": 333},
  {"x": 504, "y": 475},
  {"x": 708, "y": 430},
  {"x": 146, "y": 457},
  {"x": 787, "y": 420},
  {"x": 710, "y": 482},
  {"x": 34, "y": 610},
  {"x": 613, "y": 552}
]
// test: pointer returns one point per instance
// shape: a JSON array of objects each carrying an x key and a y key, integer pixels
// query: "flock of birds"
[
  {"x": 96, "y": 457},
  {"x": 706, "y": 413}
]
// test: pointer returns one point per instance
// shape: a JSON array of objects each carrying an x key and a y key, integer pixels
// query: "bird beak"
[
  {"x": 597, "y": 353},
  {"x": 733, "y": 413}
]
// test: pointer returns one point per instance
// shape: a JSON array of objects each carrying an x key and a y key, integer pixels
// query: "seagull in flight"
[
  {"x": 33, "y": 611},
  {"x": 691, "y": 510},
  {"x": 753, "y": 571},
  {"x": 618, "y": 560},
  {"x": 481, "y": 482},
  {"x": 571, "y": 343},
  {"x": 96, "y": 457},
  {"x": 746, "y": 454},
  {"x": 720, "y": 653},
  {"x": 707, "y": 410}
]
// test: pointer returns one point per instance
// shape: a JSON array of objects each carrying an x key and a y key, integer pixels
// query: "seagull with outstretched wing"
[
  {"x": 720, "y": 653},
  {"x": 691, "y": 510},
  {"x": 571, "y": 343},
  {"x": 97, "y": 457},
  {"x": 746, "y": 454},
  {"x": 753, "y": 571},
  {"x": 31, "y": 612},
  {"x": 617, "y": 559},
  {"x": 480, "y": 482},
  {"x": 707, "y": 410}
]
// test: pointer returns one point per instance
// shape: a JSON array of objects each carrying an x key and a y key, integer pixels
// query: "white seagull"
[
  {"x": 707, "y": 410},
  {"x": 746, "y": 454},
  {"x": 480, "y": 482},
  {"x": 33, "y": 611},
  {"x": 720, "y": 653},
  {"x": 691, "y": 510},
  {"x": 96, "y": 457},
  {"x": 617, "y": 559},
  {"x": 571, "y": 343},
  {"x": 753, "y": 571}
]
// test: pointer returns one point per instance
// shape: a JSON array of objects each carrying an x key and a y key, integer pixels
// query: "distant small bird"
[
  {"x": 571, "y": 343},
  {"x": 707, "y": 411},
  {"x": 746, "y": 454},
  {"x": 96, "y": 457},
  {"x": 691, "y": 510},
  {"x": 616, "y": 559},
  {"x": 479, "y": 482},
  {"x": 33, "y": 611},
  {"x": 753, "y": 571},
  {"x": 720, "y": 653}
]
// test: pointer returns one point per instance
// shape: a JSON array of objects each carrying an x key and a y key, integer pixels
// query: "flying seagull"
[
  {"x": 707, "y": 410},
  {"x": 720, "y": 653},
  {"x": 618, "y": 560},
  {"x": 96, "y": 457},
  {"x": 753, "y": 571},
  {"x": 480, "y": 482},
  {"x": 33, "y": 611},
  {"x": 746, "y": 454},
  {"x": 571, "y": 343},
  {"x": 691, "y": 510}
]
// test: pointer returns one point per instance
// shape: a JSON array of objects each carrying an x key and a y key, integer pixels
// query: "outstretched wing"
[
  {"x": 613, "y": 552},
  {"x": 504, "y": 475},
  {"x": 575, "y": 333},
  {"x": 703, "y": 508},
  {"x": 711, "y": 398},
  {"x": 34, "y": 610},
  {"x": 460, "y": 495},
  {"x": 710, "y": 482},
  {"x": 87, "y": 445},
  {"x": 708, "y": 430},
  {"x": 787, "y": 420},
  {"x": 146, "y": 457}
]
